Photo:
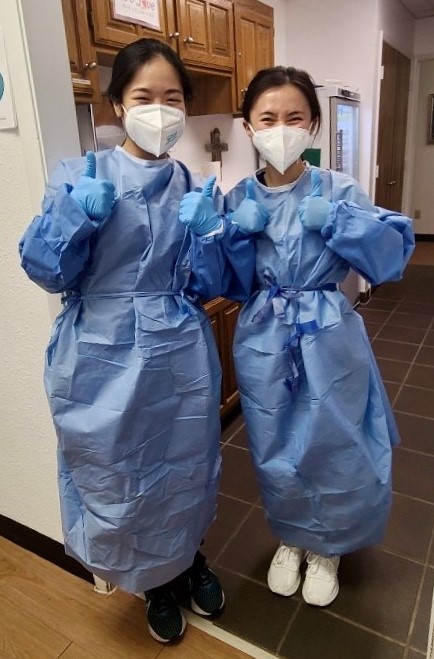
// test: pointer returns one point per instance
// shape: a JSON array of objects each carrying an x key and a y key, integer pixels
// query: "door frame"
[{"x": 411, "y": 123}]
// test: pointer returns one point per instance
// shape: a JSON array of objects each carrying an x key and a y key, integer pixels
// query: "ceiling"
[{"x": 419, "y": 8}]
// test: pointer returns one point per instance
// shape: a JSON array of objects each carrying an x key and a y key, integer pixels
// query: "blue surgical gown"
[
  {"x": 319, "y": 422},
  {"x": 132, "y": 372}
]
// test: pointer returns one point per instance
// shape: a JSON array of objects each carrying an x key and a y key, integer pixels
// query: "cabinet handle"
[
  {"x": 174, "y": 35},
  {"x": 90, "y": 66},
  {"x": 189, "y": 40},
  {"x": 391, "y": 183}
]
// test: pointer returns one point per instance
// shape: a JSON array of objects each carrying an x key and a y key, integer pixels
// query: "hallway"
[{"x": 382, "y": 611}]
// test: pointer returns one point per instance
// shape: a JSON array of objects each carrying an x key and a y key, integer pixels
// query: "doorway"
[{"x": 392, "y": 128}]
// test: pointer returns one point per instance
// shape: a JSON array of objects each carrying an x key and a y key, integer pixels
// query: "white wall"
[
  {"x": 338, "y": 40},
  {"x": 423, "y": 168},
  {"x": 423, "y": 49},
  {"x": 28, "y": 491},
  {"x": 398, "y": 26},
  {"x": 424, "y": 37}
]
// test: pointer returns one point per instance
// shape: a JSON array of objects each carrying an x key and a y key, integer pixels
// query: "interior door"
[{"x": 392, "y": 128}]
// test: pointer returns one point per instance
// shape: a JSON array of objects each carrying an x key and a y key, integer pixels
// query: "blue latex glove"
[
  {"x": 96, "y": 197},
  {"x": 250, "y": 216},
  {"x": 197, "y": 210},
  {"x": 314, "y": 209}
]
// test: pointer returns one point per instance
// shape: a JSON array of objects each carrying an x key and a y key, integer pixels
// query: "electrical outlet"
[{"x": 417, "y": 214}]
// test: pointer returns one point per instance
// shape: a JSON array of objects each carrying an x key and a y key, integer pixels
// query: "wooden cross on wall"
[{"x": 216, "y": 146}]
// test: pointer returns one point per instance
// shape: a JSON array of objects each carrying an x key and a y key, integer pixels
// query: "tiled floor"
[{"x": 382, "y": 611}]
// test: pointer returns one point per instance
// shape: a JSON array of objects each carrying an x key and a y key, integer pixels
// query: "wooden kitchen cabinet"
[
  {"x": 82, "y": 55},
  {"x": 111, "y": 32},
  {"x": 200, "y": 30},
  {"x": 223, "y": 315},
  {"x": 206, "y": 33},
  {"x": 222, "y": 43},
  {"x": 254, "y": 41}
]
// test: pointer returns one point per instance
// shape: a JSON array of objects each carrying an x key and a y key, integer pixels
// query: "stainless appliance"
[{"x": 338, "y": 143}]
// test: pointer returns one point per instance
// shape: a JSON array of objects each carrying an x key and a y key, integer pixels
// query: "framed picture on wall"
[{"x": 431, "y": 119}]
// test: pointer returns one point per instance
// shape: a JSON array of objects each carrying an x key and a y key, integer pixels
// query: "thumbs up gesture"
[
  {"x": 250, "y": 216},
  {"x": 314, "y": 209},
  {"x": 197, "y": 210},
  {"x": 96, "y": 197}
]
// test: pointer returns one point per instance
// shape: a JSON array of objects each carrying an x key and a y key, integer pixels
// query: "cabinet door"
[
  {"x": 82, "y": 56},
  {"x": 206, "y": 34},
  {"x": 111, "y": 31},
  {"x": 254, "y": 42},
  {"x": 223, "y": 316},
  {"x": 229, "y": 321}
]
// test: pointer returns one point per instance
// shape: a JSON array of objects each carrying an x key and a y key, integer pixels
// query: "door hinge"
[
  {"x": 382, "y": 72},
  {"x": 377, "y": 171}
]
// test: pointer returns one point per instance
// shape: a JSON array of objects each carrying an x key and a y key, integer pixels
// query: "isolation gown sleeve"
[
  {"x": 55, "y": 247},
  {"x": 223, "y": 263},
  {"x": 376, "y": 242}
]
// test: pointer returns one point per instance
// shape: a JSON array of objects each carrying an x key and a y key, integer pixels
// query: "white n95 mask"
[
  {"x": 154, "y": 128},
  {"x": 281, "y": 145}
]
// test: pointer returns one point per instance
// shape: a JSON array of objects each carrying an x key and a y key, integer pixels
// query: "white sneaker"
[
  {"x": 321, "y": 584},
  {"x": 284, "y": 572}
]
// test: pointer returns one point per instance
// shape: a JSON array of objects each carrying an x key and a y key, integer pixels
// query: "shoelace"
[
  {"x": 161, "y": 602},
  {"x": 201, "y": 574},
  {"x": 322, "y": 565},
  {"x": 285, "y": 555}
]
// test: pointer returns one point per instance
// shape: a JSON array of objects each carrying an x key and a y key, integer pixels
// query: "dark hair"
[
  {"x": 278, "y": 76},
  {"x": 132, "y": 57}
]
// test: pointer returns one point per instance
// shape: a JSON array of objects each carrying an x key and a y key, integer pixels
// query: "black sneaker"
[
  {"x": 206, "y": 595},
  {"x": 165, "y": 620}
]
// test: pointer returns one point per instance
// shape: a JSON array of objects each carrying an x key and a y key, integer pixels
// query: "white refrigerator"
[{"x": 338, "y": 143}]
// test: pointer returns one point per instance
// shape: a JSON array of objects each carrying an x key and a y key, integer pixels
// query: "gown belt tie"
[
  {"x": 71, "y": 297},
  {"x": 276, "y": 302}
]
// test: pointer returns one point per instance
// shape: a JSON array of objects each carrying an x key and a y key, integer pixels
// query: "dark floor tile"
[
  {"x": 416, "y": 307},
  {"x": 425, "y": 356},
  {"x": 416, "y": 401},
  {"x": 429, "y": 339},
  {"x": 403, "y": 352},
  {"x": 414, "y": 654},
  {"x": 240, "y": 438},
  {"x": 261, "y": 544},
  {"x": 373, "y": 315},
  {"x": 409, "y": 320},
  {"x": 231, "y": 424},
  {"x": 372, "y": 586},
  {"x": 421, "y": 376},
  {"x": 253, "y": 612},
  {"x": 417, "y": 433},
  {"x": 392, "y": 371},
  {"x": 413, "y": 474},
  {"x": 377, "y": 302},
  {"x": 391, "y": 291},
  {"x": 409, "y": 528},
  {"x": 419, "y": 637},
  {"x": 317, "y": 635},
  {"x": 392, "y": 390},
  {"x": 230, "y": 514},
  {"x": 372, "y": 329},
  {"x": 402, "y": 334},
  {"x": 238, "y": 476}
]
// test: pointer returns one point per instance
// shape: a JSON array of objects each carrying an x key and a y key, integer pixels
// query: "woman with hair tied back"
[
  {"x": 319, "y": 422},
  {"x": 132, "y": 371}
]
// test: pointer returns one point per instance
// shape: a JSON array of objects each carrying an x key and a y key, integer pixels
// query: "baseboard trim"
[
  {"x": 424, "y": 237},
  {"x": 42, "y": 546}
]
